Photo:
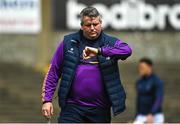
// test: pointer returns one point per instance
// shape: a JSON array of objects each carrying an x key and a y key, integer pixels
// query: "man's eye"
[
  {"x": 88, "y": 25},
  {"x": 95, "y": 24}
]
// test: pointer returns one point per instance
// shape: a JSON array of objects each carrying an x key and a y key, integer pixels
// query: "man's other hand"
[
  {"x": 150, "y": 119},
  {"x": 47, "y": 110}
]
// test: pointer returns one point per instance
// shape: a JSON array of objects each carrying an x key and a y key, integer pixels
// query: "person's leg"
[
  {"x": 98, "y": 115},
  {"x": 71, "y": 114},
  {"x": 158, "y": 118}
]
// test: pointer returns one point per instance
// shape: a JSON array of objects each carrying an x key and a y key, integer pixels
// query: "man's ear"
[{"x": 81, "y": 27}]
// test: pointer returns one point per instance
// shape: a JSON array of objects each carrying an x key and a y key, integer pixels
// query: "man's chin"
[{"x": 93, "y": 36}]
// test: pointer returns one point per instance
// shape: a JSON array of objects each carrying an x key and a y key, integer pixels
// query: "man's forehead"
[
  {"x": 144, "y": 64},
  {"x": 89, "y": 19}
]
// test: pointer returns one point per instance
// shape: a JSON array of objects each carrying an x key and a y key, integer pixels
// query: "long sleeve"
[
  {"x": 159, "y": 96},
  {"x": 120, "y": 50},
  {"x": 53, "y": 75}
]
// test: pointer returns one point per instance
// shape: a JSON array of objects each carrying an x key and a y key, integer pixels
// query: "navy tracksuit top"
[{"x": 149, "y": 95}]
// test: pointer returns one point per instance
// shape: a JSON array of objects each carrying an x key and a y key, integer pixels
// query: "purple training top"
[{"x": 87, "y": 88}]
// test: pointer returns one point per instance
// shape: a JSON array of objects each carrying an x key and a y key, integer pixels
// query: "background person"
[{"x": 149, "y": 94}]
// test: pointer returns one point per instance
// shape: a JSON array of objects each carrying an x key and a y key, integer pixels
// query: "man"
[
  {"x": 87, "y": 63},
  {"x": 149, "y": 95}
]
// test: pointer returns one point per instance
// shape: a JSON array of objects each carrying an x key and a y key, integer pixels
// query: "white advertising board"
[{"x": 20, "y": 16}]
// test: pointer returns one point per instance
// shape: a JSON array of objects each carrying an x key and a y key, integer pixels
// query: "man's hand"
[
  {"x": 150, "y": 118},
  {"x": 47, "y": 110},
  {"x": 89, "y": 52}
]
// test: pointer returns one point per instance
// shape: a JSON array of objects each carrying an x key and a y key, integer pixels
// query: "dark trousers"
[{"x": 82, "y": 114}]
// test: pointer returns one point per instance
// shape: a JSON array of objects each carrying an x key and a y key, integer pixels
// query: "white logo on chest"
[
  {"x": 108, "y": 58},
  {"x": 71, "y": 50}
]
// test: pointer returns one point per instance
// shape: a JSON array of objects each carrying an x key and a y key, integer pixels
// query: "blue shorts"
[{"x": 83, "y": 114}]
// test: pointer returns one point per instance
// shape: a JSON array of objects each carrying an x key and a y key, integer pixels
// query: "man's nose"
[{"x": 92, "y": 27}]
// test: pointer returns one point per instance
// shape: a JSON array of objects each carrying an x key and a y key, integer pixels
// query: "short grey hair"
[{"x": 90, "y": 12}]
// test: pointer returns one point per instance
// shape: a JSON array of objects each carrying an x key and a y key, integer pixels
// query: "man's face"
[
  {"x": 144, "y": 69},
  {"x": 91, "y": 27}
]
